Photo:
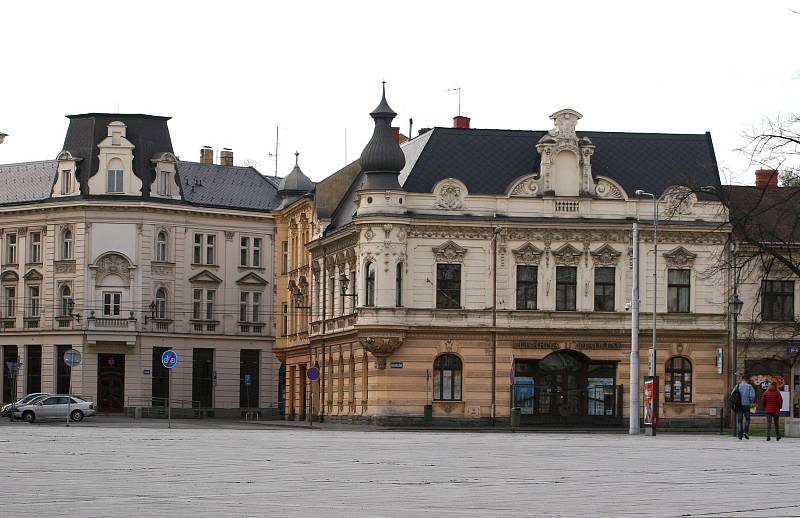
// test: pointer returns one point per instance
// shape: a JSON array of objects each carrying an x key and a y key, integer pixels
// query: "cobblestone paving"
[{"x": 237, "y": 470}]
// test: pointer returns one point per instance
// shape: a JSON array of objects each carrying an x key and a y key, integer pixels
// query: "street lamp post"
[
  {"x": 735, "y": 303},
  {"x": 651, "y": 357}
]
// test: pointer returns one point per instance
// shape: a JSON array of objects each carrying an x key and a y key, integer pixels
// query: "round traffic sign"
[
  {"x": 313, "y": 374},
  {"x": 169, "y": 359},
  {"x": 72, "y": 358}
]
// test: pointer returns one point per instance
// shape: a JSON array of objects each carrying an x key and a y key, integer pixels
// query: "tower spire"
[{"x": 382, "y": 159}]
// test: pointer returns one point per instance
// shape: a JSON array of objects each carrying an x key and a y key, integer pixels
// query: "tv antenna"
[
  {"x": 457, "y": 89},
  {"x": 275, "y": 155}
]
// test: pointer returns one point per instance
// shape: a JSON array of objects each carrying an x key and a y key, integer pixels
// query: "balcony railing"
[
  {"x": 251, "y": 328},
  {"x": 204, "y": 326},
  {"x": 8, "y": 322},
  {"x": 111, "y": 323},
  {"x": 32, "y": 322}
]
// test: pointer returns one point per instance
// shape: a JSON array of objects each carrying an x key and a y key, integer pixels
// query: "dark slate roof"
[
  {"x": 226, "y": 186},
  {"x": 26, "y": 182},
  {"x": 489, "y": 160},
  {"x": 296, "y": 181},
  {"x": 329, "y": 193},
  {"x": 148, "y": 133},
  {"x": 760, "y": 214}
]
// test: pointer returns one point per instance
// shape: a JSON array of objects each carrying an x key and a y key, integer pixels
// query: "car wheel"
[
  {"x": 76, "y": 416},
  {"x": 28, "y": 416}
]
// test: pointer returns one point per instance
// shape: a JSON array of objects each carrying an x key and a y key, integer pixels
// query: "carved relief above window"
[
  {"x": 449, "y": 252},
  {"x": 527, "y": 254},
  {"x": 567, "y": 255},
  {"x": 450, "y": 195},
  {"x": 679, "y": 201},
  {"x": 609, "y": 190},
  {"x": 113, "y": 264},
  {"x": 606, "y": 255},
  {"x": 527, "y": 187},
  {"x": 680, "y": 258}
]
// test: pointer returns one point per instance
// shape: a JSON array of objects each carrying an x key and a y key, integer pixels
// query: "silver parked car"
[
  {"x": 30, "y": 398},
  {"x": 56, "y": 406}
]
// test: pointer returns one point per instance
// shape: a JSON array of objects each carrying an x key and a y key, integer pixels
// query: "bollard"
[{"x": 515, "y": 413}]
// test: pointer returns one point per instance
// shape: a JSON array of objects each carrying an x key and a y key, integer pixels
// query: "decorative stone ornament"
[
  {"x": 113, "y": 264},
  {"x": 450, "y": 196},
  {"x": 527, "y": 187},
  {"x": 679, "y": 201},
  {"x": 567, "y": 255},
  {"x": 680, "y": 258},
  {"x": 527, "y": 254},
  {"x": 606, "y": 255},
  {"x": 381, "y": 348},
  {"x": 449, "y": 252},
  {"x": 609, "y": 190}
]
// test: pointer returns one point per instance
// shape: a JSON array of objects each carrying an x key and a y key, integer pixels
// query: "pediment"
[
  {"x": 606, "y": 255},
  {"x": 9, "y": 276},
  {"x": 527, "y": 254},
  {"x": 33, "y": 275},
  {"x": 527, "y": 186},
  {"x": 449, "y": 252},
  {"x": 567, "y": 255},
  {"x": 680, "y": 257},
  {"x": 164, "y": 157},
  {"x": 205, "y": 277},
  {"x": 609, "y": 189},
  {"x": 252, "y": 279}
]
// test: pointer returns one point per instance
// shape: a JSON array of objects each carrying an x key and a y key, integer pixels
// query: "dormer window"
[
  {"x": 66, "y": 182},
  {"x": 163, "y": 183},
  {"x": 114, "y": 177}
]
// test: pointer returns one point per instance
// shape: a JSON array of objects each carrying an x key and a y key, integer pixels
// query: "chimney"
[
  {"x": 460, "y": 121},
  {"x": 206, "y": 155},
  {"x": 226, "y": 156},
  {"x": 766, "y": 178},
  {"x": 396, "y": 133}
]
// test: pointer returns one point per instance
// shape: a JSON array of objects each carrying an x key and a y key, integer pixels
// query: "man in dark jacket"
[{"x": 773, "y": 401}]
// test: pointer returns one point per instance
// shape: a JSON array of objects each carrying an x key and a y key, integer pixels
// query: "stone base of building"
[
  {"x": 791, "y": 426},
  {"x": 260, "y": 414}
]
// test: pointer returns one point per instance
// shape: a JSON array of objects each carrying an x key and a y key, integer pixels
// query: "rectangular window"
[
  {"x": 448, "y": 286},
  {"x": 111, "y": 304},
  {"x": 11, "y": 248},
  {"x": 163, "y": 183},
  {"x": 33, "y": 294},
  {"x": 35, "y": 248},
  {"x": 527, "y": 279},
  {"x": 210, "y": 304},
  {"x": 332, "y": 283},
  {"x": 209, "y": 249},
  {"x": 66, "y": 245},
  {"x": 604, "y": 289},
  {"x": 284, "y": 319},
  {"x": 678, "y": 290},
  {"x": 197, "y": 258},
  {"x": 566, "y": 287},
  {"x": 66, "y": 182},
  {"x": 244, "y": 302},
  {"x": 777, "y": 301},
  {"x": 285, "y": 263},
  {"x": 197, "y": 304},
  {"x": 398, "y": 285},
  {"x": 114, "y": 181},
  {"x": 33, "y": 368},
  {"x": 10, "y": 302},
  {"x": 244, "y": 251},
  {"x": 249, "y": 360},
  {"x": 256, "y": 308},
  {"x": 256, "y": 262}
]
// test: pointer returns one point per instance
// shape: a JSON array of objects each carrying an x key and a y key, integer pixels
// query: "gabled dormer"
[
  {"x": 115, "y": 164},
  {"x": 66, "y": 183},
  {"x": 166, "y": 182},
  {"x": 565, "y": 168}
]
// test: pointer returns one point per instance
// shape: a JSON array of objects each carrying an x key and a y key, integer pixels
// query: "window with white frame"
[
  {"x": 161, "y": 247},
  {"x": 65, "y": 301},
  {"x": 66, "y": 181},
  {"x": 284, "y": 319},
  {"x": 66, "y": 245},
  {"x": 11, "y": 248},
  {"x": 112, "y": 302},
  {"x": 203, "y": 304},
  {"x": 256, "y": 253},
  {"x": 250, "y": 252},
  {"x": 35, "y": 248},
  {"x": 9, "y": 302},
  {"x": 210, "y": 249},
  {"x": 250, "y": 306},
  {"x": 203, "y": 249},
  {"x": 161, "y": 303},
  {"x": 285, "y": 262},
  {"x": 369, "y": 284},
  {"x": 34, "y": 301},
  {"x": 163, "y": 183},
  {"x": 678, "y": 290},
  {"x": 114, "y": 181}
]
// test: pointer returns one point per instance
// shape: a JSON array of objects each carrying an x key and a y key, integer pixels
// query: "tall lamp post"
[
  {"x": 735, "y": 304},
  {"x": 298, "y": 298},
  {"x": 651, "y": 357}
]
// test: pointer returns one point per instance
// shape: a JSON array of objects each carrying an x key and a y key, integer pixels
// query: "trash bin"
[
  {"x": 515, "y": 413},
  {"x": 428, "y": 413}
]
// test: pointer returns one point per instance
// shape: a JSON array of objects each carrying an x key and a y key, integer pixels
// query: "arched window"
[
  {"x": 447, "y": 378},
  {"x": 398, "y": 288},
  {"x": 65, "y": 299},
  {"x": 369, "y": 285},
  {"x": 678, "y": 380},
  {"x": 161, "y": 303},
  {"x": 161, "y": 247},
  {"x": 66, "y": 245}
]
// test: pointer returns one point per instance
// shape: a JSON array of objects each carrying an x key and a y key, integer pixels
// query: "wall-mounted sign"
[
  {"x": 397, "y": 365},
  {"x": 718, "y": 357},
  {"x": 792, "y": 348},
  {"x": 146, "y": 372}
]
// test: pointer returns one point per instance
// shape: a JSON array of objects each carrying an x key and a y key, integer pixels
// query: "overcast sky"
[{"x": 229, "y": 72}]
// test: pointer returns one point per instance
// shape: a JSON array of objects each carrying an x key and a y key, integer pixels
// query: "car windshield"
[
  {"x": 36, "y": 399},
  {"x": 30, "y": 397}
]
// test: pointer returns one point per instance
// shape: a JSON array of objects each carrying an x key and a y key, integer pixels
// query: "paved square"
[{"x": 210, "y": 469}]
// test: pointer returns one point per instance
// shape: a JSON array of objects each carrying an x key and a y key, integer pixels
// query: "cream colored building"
[
  {"x": 120, "y": 250},
  {"x": 474, "y": 270}
]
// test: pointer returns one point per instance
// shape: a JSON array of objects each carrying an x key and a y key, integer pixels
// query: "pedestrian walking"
[
  {"x": 773, "y": 401},
  {"x": 747, "y": 396}
]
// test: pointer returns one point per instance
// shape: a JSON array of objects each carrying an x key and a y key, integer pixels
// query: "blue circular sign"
[
  {"x": 169, "y": 359},
  {"x": 313, "y": 374}
]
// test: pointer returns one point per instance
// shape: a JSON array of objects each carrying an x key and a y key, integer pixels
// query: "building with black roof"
[{"x": 119, "y": 249}]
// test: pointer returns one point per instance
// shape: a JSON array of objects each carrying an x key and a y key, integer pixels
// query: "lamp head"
[{"x": 344, "y": 282}]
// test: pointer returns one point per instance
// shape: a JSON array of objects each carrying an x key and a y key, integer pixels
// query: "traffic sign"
[
  {"x": 248, "y": 379},
  {"x": 313, "y": 374},
  {"x": 169, "y": 359},
  {"x": 72, "y": 358}
]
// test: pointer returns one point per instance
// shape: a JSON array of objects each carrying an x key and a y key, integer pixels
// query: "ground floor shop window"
[
  {"x": 63, "y": 371},
  {"x": 33, "y": 369},
  {"x": 678, "y": 380},
  {"x": 248, "y": 378},
  {"x": 447, "y": 378},
  {"x": 203, "y": 377}
]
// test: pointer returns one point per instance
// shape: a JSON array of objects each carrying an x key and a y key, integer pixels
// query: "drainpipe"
[{"x": 494, "y": 322}]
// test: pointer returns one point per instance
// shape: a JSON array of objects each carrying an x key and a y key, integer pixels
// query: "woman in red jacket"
[{"x": 772, "y": 407}]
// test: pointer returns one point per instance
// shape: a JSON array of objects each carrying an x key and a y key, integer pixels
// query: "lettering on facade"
[
  {"x": 527, "y": 344},
  {"x": 595, "y": 346}
]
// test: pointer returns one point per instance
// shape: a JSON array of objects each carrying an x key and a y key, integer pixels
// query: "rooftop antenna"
[
  {"x": 275, "y": 155},
  {"x": 457, "y": 89}
]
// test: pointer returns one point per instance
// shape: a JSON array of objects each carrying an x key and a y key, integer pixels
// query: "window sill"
[
  {"x": 201, "y": 265},
  {"x": 11, "y": 265},
  {"x": 163, "y": 263},
  {"x": 252, "y": 268},
  {"x": 30, "y": 265}
]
